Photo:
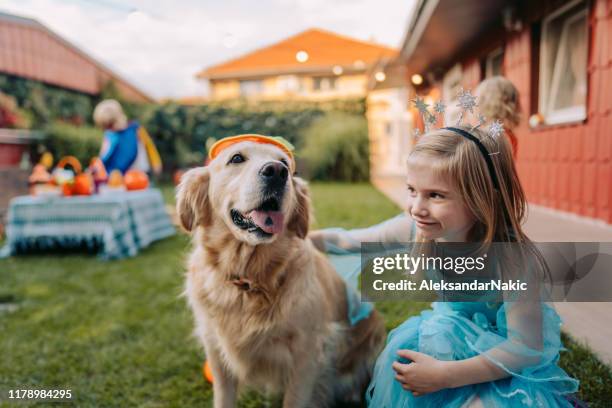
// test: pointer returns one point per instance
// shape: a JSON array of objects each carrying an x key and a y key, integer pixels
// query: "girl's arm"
[
  {"x": 396, "y": 229},
  {"x": 109, "y": 145},
  {"x": 426, "y": 374},
  {"x": 524, "y": 321}
]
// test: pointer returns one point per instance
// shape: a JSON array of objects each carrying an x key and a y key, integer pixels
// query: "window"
[
  {"x": 451, "y": 84},
  {"x": 251, "y": 88},
  {"x": 288, "y": 83},
  {"x": 324, "y": 83},
  {"x": 563, "y": 65},
  {"x": 494, "y": 64},
  {"x": 389, "y": 128}
]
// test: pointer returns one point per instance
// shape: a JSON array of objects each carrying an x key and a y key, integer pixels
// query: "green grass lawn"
[{"x": 118, "y": 333}]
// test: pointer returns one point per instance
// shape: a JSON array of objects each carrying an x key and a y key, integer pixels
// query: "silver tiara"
[{"x": 467, "y": 103}]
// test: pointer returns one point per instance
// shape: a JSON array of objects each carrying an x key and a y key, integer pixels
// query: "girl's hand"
[
  {"x": 423, "y": 375},
  {"x": 318, "y": 239}
]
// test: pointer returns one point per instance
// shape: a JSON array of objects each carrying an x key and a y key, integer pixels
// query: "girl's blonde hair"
[
  {"x": 499, "y": 212},
  {"x": 108, "y": 114},
  {"x": 499, "y": 207},
  {"x": 498, "y": 99}
]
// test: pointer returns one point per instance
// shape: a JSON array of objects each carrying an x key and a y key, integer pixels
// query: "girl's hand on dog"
[
  {"x": 318, "y": 239},
  {"x": 423, "y": 375}
]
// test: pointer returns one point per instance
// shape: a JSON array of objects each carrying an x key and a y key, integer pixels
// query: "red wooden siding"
[
  {"x": 29, "y": 50},
  {"x": 565, "y": 167}
]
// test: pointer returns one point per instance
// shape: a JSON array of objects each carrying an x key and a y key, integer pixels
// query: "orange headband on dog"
[{"x": 277, "y": 141}]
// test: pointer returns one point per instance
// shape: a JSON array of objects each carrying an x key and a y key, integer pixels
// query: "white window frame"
[
  {"x": 452, "y": 77},
  {"x": 326, "y": 84},
  {"x": 251, "y": 87},
  {"x": 574, "y": 113},
  {"x": 288, "y": 83}
]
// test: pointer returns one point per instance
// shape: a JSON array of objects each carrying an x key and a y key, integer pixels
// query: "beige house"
[
  {"x": 314, "y": 65},
  {"x": 390, "y": 120}
]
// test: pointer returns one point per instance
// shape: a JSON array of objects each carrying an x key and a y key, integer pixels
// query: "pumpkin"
[
  {"x": 67, "y": 188},
  {"x": 46, "y": 160},
  {"x": 65, "y": 177},
  {"x": 97, "y": 169},
  {"x": 115, "y": 179},
  {"x": 40, "y": 181},
  {"x": 207, "y": 372},
  {"x": 83, "y": 184},
  {"x": 177, "y": 176},
  {"x": 39, "y": 175},
  {"x": 136, "y": 180}
]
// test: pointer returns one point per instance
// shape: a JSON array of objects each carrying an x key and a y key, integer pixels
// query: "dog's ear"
[
  {"x": 192, "y": 204},
  {"x": 300, "y": 218}
]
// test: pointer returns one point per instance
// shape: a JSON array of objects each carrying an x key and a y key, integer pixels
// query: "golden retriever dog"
[{"x": 269, "y": 308}]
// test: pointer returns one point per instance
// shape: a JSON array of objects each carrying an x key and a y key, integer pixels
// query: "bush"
[
  {"x": 182, "y": 133},
  {"x": 63, "y": 139},
  {"x": 335, "y": 147},
  {"x": 47, "y": 103}
]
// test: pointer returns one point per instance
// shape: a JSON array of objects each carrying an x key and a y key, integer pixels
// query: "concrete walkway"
[{"x": 586, "y": 322}]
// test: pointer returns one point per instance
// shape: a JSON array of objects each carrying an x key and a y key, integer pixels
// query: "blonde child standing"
[{"x": 463, "y": 187}]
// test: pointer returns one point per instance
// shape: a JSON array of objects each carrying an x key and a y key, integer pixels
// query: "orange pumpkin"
[
  {"x": 207, "y": 371},
  {"x": 177, "y": 176},
  {"x": 66, "y": 183},
  {"x": 83, "y": 184},
  {"x": 67, "y": 189},
  {"x": 98, "y": 170},
  {"x": 115, "y": 179},
  {"x": 136, "y": 180}
]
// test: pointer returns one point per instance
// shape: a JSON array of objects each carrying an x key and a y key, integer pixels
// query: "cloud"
[{"x": 164, "y": 44}]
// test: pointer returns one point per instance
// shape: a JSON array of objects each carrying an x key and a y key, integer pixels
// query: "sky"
[{"x": 159, "y": 46}]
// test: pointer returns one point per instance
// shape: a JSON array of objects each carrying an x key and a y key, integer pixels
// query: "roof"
[
  {"x": 24, "y": 63},
  {"x": 440, "y": 30},
  {"x": 325, "y": 50}
]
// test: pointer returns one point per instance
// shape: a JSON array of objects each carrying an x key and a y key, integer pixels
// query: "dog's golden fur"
[{"x": 271, "y": 312}]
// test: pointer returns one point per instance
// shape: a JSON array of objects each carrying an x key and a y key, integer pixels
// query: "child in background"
[
  {"x": 498, "y": 99},
  {"x": 126, "y": 145},
  {"x": 464, "y": 354}
]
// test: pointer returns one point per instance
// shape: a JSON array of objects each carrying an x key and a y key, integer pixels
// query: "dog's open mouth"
[{"x": 266, "y": 220}]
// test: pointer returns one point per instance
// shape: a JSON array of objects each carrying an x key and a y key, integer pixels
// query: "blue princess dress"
[{"x": 458, "y": 331}]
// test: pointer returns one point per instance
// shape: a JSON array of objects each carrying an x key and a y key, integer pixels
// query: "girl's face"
[{"x": 435, "y": 204}]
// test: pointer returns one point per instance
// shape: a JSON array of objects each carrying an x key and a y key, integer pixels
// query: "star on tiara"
[{"x": 467, "y": 103}]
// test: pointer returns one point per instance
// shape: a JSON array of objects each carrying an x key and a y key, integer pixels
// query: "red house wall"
[
  {"x": 30, "y": 51},
  {"x": 565, "y": 167}
]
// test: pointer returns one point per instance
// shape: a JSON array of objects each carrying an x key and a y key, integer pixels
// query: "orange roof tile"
[{"x": 325, "y": 49}]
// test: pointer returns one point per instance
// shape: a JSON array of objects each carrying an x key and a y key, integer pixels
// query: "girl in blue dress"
[{"x": 463, "y": 187}]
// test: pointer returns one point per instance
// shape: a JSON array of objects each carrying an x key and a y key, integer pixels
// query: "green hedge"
[
  {"x": 183, "y": 133},
  {"x": 63, "y": 139},
  {"x": 47, "y": 103},
  {"x": 336, "y": 148},
  {"x": 334, "y": 144}
]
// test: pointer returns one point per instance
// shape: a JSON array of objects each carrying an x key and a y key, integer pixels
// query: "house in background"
[
  {"x": 30, "y": 50},
  {"x": 559, "y": 56},
  {"x": 390, "y": 120},
  {"x": 314, "y": 65}
]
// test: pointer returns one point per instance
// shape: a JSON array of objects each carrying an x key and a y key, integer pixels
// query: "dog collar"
[
  {"x": 277, "y": 141},
  {"x": 248, "y": 286}
]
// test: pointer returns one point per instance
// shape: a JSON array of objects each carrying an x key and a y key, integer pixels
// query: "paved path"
[{"x": 586, "y": 322}]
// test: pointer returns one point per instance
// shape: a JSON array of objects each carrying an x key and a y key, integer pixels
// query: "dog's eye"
[
  {"x": 284, "y": 162},
  {"x": 237, "y": 158}
]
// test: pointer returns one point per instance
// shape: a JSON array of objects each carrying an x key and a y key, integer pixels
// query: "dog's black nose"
[{"x": 274, "y": 172}]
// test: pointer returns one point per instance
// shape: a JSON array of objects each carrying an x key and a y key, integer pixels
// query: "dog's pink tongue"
[{"x": 269, "y": 221}]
